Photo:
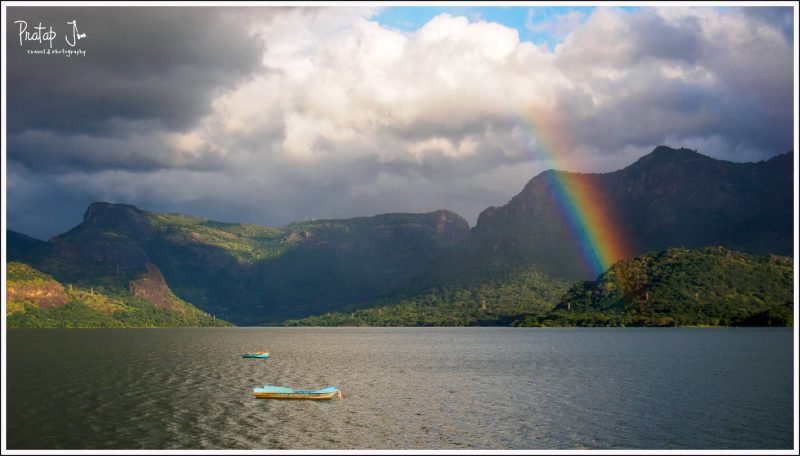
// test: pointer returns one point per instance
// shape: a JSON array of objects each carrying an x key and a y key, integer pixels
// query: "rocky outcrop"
[
  {"x": 152, "y": 287},
  {"x": 450, "y": 226},
  {"x": 442, "y": 226},
  {"x": 43, "y": 294}
]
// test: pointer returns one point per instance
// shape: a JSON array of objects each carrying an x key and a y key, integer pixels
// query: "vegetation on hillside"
[
  {"x": 712, "y": 286},
  {"x": 100, "y": 306},
  {"x": 20, "y": 272},
  {"x": 677, "y": 287},
  {"x": 246, "y": 243},
  {"x": 496, "y": 302},
  {"x": 260, "y": 275}
]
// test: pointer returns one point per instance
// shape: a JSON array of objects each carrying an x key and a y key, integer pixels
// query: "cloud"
[
  {"x": 149, "y": 75},
  {"x": 731, "y": 78},
  {"x": 161, "y": 64},
  {"x": 557, "y": 25},
  {"x": 322, "y": 112},
  {"x": 773, "y": 17},
  {"x": 147, "y": 149}
]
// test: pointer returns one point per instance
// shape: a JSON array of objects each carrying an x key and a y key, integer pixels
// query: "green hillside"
[
  {"x": 712, "y": 286},
  {"x": 36, "y": 300},
  {"x": 495, "y": 302}
]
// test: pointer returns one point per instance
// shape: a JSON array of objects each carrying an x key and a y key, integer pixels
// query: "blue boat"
[
  {"x": 281, "y": 392},
  {"x": 256, "y": 355}
]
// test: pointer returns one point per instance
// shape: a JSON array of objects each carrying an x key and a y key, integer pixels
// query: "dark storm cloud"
[
  {"x": 657, "y": 39},
  {"x": 658, "y": 110},
  {"x": 47, "y": 152},
  {"x": 646, "y": 114},
  {"x": 40, "y": 206},
  {"x": 141, "y": 64}
]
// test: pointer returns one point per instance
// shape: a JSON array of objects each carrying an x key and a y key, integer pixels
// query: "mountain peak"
[
  {"x": 112, "y": 216},
  {"x": 663, "y": 150},
  {"x": 100, "y": 207},
  {"x": 665, "y": 154}
]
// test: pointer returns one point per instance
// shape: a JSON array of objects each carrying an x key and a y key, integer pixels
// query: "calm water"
[{"x": 405, "y": 388}]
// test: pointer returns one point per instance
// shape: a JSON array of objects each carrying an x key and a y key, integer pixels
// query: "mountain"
[
  {"x": 36, "y": 299},
  {"x": 247, "y": 274},
  {"x": 710, "y": 286},
  {"x": 518, "y": 259},
  {"x": 670, "y": 197},
  {"x": 96, "y": 275},
  {"x": 256, "y": 275}
]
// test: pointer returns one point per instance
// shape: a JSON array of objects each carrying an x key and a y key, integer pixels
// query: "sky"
[{"x": 270, "y": 115}]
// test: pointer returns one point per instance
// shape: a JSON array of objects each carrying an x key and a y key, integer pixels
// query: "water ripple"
[{"x": 405, "y": 388}]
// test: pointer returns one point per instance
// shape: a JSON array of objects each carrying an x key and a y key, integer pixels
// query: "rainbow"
[{"x": 585, "y": 211}]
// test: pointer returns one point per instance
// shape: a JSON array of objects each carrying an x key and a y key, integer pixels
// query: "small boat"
[
  {"x": 256, "y": 355},
  {"x": 280, "y": 392}
]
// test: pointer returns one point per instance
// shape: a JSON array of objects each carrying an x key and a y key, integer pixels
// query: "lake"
[{"x": 405, "y": 388}]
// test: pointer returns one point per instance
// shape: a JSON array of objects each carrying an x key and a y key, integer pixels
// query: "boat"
[
  {"x": 256, "y": 355},
  {"x": 281, "y": 392}
]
